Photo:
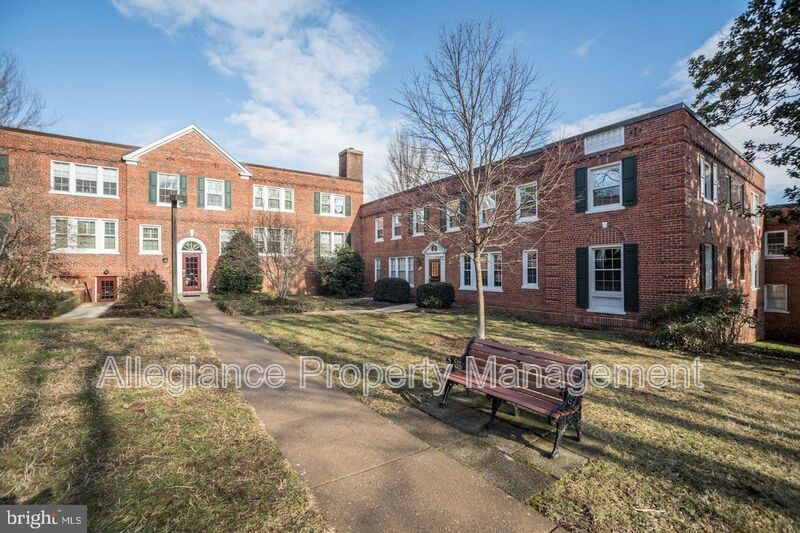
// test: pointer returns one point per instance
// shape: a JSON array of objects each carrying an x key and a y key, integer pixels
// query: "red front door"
[
  {"x": 106, "y": 288},
  {"x": 191, "y": 273}
]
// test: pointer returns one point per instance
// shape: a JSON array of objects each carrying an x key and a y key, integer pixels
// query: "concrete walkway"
[
  {"x": 366, "y": 473},
  {"x": 87, "y": 310}
]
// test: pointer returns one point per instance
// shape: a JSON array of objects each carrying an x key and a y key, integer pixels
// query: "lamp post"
[{"x": 174, "y": 199}]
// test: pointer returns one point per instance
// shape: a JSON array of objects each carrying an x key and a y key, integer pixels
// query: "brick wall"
[{"x": 784, "y": 326}]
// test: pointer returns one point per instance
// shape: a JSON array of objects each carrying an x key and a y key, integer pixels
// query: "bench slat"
[{"x": 527, "y": 352}]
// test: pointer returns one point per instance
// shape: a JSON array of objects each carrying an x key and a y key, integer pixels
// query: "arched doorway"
[{"x": 192, "y": 266}]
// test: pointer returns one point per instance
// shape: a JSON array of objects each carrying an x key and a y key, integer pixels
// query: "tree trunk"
[{"x": 476, "y": 262}]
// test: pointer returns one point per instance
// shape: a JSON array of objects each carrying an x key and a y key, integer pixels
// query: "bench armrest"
[{"x": 456, "y": 360}]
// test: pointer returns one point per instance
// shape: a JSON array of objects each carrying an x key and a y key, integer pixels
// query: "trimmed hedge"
[
  {"x": 394, "y": 290},
  {"x": 342, "y": 275},
  {"x": 438, "y": 295},
  {"x": 19, "y": 303},
  {"x": 238, "y": 269}
]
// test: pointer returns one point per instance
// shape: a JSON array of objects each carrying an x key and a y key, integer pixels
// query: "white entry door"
[{"x": 434, "y": 268}]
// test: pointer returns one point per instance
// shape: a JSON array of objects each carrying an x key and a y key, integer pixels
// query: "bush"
[
  {"x": 143, "y": 289},
  {"x": 18, "y": 303},
  {"x": 394, "y": 290},
  {"x": 342, "y": 275},
  {"x": 238, "y": 269},
  {"x": 438, "y": 295},
  {"x": 700, "y": 322}
]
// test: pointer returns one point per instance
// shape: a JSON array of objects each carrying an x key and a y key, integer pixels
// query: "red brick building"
[
  {"x": 782, "y": 286},
  {"x": 109, "y": 204}
]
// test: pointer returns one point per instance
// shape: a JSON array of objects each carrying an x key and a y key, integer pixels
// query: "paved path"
[
  {"x": 366, "y": 473},
  {"x": 87, "y": 310}
]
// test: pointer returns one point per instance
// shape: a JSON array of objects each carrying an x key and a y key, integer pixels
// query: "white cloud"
[
  {"x": 582, "y": 50},
  {"x": 307, "y": 65}
]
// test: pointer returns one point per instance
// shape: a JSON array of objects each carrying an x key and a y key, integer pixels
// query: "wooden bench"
[{"x": 552, "y": 398}]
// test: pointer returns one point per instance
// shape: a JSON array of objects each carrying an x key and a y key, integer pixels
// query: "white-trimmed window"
[
  {"x": 377, "y": 268},
  {"x": 84, "y": 180},
  {"x": 604, "y": 187},
  {"x": 273, "y": 198},
  {"x": 491, "y": 265},
  {"x": 754, "y": 206},
  {"x": 774, "y": 243},
  {"x": 454, "y": 215},
  {"x": 530, "y": 269},
  {"x": 418, "y": 221},
  {"x": 332, "y": 205},
  {"x": 708, "y": 180},
  {"x": 84, "y": 235},
  {"x": 330, "y": 242},
  {"x": 527, "y": 203},
  {"x": 402, "y": 267},
  {"x": 379, "y": 229},
  {"x": 274, "y": 241},
  {"x": 776, "y": 299},
  {"x": 215, "y": 194},
  {"x": 755, "y": 270},
  {"x": 488, "y": 206},
  {"x": 606, "y": 288},
  {"x": 168, "y": 184},
  {"x": 397, "y": 227},
  {"x": 149, "y": 239},
  {"x": 225, "y": 236}
]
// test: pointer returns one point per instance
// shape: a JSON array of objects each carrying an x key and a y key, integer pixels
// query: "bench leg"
[
  {"x": 578, "y": 429},
  {"x": 447, "y": 388},
  {"x": 561, "y": 427},
  {"x": 495, "y": 406}
]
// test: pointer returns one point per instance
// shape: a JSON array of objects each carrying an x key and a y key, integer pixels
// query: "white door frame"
[
  {"x": 442, "y": 263},
  {"x": 203, "y": 264}
]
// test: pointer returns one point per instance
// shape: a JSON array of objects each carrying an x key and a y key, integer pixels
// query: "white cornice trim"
[{"x": 133, "y": 157}]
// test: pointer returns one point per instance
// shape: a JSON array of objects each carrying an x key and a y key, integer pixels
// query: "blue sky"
[{"x": 291, "y": 82}]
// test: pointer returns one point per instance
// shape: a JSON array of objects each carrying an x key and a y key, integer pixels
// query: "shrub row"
[{"x": 19, "y": 303}]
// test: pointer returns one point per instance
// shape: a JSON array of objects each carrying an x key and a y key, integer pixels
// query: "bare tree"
[
  {"x": 286, "y": 248},
  {"x": 480, "y": 114},
  {"x": 25, "y": 214},
  {"x": 20, "y": 106},
  {"x": 406, "y": 163}
]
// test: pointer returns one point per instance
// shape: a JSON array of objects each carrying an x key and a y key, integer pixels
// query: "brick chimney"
[{"x": 351, "y": 164}]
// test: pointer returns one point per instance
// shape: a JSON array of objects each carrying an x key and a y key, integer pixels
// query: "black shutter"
[
  {"x": 630, "y": 256},
  {"x": 201, "y": 192},
  {"x": 348, "y": 240},
  {"x": 4, "y": 179},
  {"x": 702, "y": 267},
  {"x": 629, "y": 181},
  {"x": 730, "y": 192},
  {"x": 741, "y": 198},
  {"x": 582, "y": 277},
  {"x": 713, "y": 267},
  {"x": 443, "y": 219},
  {"x": 152, "y": 195},
  {"x": 462, "y": 212},
  {"x": 580, "y": 189},
  {"x": 411, "y": 222}
]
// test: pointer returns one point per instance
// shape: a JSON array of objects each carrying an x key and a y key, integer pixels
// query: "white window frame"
[
  {"x": 397, "y": 223},
  {"x": 377, "y": 268},
  {"x": 330, "y": 235},
  {"x": 142, "y": 250},
  {"x": 755, "y": 201},
  {"x": 418, "y": 221},
  {"x": 379, "y": 229},
  {"x": 708, "y": 171},
  {"x": 159, "y": 175},
  {"x": 332, "y": 204},
  {"x": 534, "y": 217},
  {"x": 206, "y": 188},
  {"x": 590, "y": 207},
  {"x": 490, "y": 197},
  {"x": 453, "y": 208},
  {"x": 768, "y": 255},
  {"x": 284, "y": 194},
  {"x": 221, "y": 243},
  {"x": 265, "y": 234},
  {"x": 73, "y": 179},
  {"x": 755, "y": 270},
  {"x": 72, "y": 236},
  {"x": 607, "y": 294},
  {"x": 408, "y": 263},
  {"x": 525, "y": 264},
  {"x": 771, "y": 309},
  {"x": 490, "y": 260}
]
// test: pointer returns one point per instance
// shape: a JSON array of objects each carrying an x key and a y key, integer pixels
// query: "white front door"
[
  {"x": 605, "y": 280},
  {"x": 434, "y": 268}
]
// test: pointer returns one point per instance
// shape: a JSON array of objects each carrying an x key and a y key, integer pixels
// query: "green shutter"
[
  {"x": 741, "y": 198},
  {"x": 582, "y": 277},
  {"x": 411, "y": 222},
  {"x": 347, "y": 206},
  {"x": 4, "y": 179},
  {"x": 580, "y": 189},
  {"x": 5, "y": 219},
  {"x": 228, "y": 202},
  {"x": 443, "y": 219},
  {"x": 702, "y": 267},
  {"x": 630, "y": 257},
  {"x": 462, "y": 212},
  {"x": 426, "y": 216},
  {"x": 629, "y": 181},
  {"x": 201, "y": 192},
  {"x": 316, "y": 208},
  {"x": 713, "y": 267},
  {"x": 316, "y": 243},
  {"x": 182, "y": 190},
  {"x": 152, "y": 195}
]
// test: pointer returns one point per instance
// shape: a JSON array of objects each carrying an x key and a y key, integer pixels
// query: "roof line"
[
  {"x": 67, "y": 137},
  {"x": 270, "y": 167}
]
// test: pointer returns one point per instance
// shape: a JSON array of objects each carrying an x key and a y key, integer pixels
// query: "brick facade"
[{"x": 783, "y": 270}]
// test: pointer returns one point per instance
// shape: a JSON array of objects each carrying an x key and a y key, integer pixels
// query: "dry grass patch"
[
  {"x": 139, "y": 458},
  {"x": 725, "y": 457}
]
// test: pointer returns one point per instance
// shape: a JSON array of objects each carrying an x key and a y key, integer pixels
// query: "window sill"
[
  {"x": 255, "y": 208},
  {"x": 604, "y": 209},
  {"x": 150, "y": 252},
  {"x": 526, "y": 286},
  {"x": 780, "y": 311},
  {"x": 606, "y": 312},
  {"x": 776, "y": 257},
  {"x": 526, "y": 220},
  {"x": 378, "y": 240},
  {"x": 162, "y": 204},
  {"x": 417, "y": 234},
  {"x": 709, "y": 202},
  {"x": 85, "y": 194},
  {"x": 396, "y": 238},
  {"x": 331, "y": 215},
  {"x": 207, "y": 208},
  {"x": 84, "y": 252},
  {"x": 485, "y": 289},
  {"x": 452, "y": 230}
]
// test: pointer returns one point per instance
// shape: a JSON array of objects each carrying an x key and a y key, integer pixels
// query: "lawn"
[
  {"x": 159, "y": 309},
  {"x": 258, "y": 304},
  {"x": 725, "y": 457},
  {"x": 140, "y": 459}
]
